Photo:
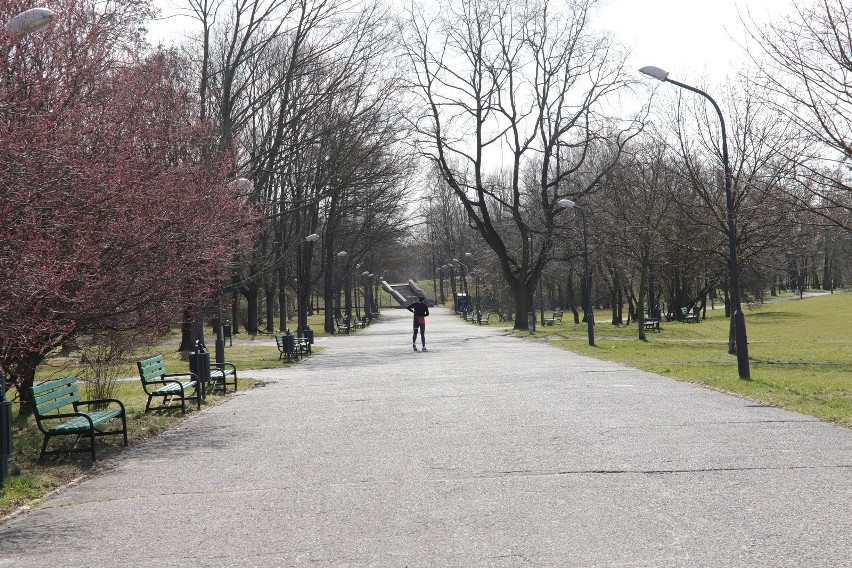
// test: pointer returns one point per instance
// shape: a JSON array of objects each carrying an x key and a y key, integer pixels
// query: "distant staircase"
[{"x": 404, "y": 294}]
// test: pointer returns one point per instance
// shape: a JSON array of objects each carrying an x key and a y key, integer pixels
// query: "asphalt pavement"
[{"x": 489, "y": 450}]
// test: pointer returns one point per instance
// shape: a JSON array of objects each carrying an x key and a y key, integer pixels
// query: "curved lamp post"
[
  {"x": 302, "y": 311},
  {"x": 739, "y": 318},
  {"x": 590, "y": 316}
]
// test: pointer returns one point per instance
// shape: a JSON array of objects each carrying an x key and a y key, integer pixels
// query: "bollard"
[{"x": 5, "y": 431}]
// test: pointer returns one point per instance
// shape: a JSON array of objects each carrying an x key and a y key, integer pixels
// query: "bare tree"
[
  {"x": 640, "y": 212},
  {"x": 806, "y": 65},
  {"x": 519, "y": 87},
  {"x": 760, "y": 145}
]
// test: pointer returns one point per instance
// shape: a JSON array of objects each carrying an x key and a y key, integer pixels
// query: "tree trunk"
[
  {"x": 251, "y": 294},
  {"x": 328, "y": 298},
  {"x": 270, "y": 308},
  {"x": 235, "y": 311},
  {"x": 571, "y": 298},
  {"x": 282, "y": 298},
  {"x": 23, "y": 376},
  {"x": 640, "y": 302},
  {"x": 522, "y": 305},
  {"x": 189, "y": 331}
]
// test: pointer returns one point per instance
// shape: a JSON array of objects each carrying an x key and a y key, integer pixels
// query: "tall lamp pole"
[
  {"x": 22, "y": 24},
  {"x": 739, "y": 317},
  {"x": 464, "y": 271},
  {"x": 302, "y": 309},
  {"x": 587, "y": 275},
  {"x": 336, "y": 306}
]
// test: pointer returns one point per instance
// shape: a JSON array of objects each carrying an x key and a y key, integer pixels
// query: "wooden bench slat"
[
  {"x": 53, "y": 384},
  {"x": 44, "y": 408},
  {"x": 174, "y": 388},
  {"x": 80, "y": 424}
]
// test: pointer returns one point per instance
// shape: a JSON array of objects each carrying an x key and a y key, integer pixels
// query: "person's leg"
[
  {"x": 423, "y": 336},
  {"x": 414, "y": 339}
]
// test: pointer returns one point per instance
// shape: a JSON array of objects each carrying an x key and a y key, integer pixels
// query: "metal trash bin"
[
  {"x": 5, "y": 431},
  {"x": 309, "y": 335},
  {"x": 462, "y": 302},
  {"x": 199, "y": 363},
  {"x": 289, "y": 345},
  {"x": 226, "y": 332}
]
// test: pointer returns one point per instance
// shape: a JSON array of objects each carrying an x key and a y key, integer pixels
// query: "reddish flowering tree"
[{"x": 111, "y": 211}]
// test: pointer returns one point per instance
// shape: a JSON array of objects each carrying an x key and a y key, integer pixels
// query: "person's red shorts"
[{"x": 419, "y": 320}]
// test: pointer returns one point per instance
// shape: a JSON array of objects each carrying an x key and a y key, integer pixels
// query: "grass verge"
[
  {"x": 30, "y": 480},
  {"x": 800, "y": 352}
]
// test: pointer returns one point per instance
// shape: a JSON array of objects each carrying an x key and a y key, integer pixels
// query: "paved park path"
[{"x": 489, "y": 450}]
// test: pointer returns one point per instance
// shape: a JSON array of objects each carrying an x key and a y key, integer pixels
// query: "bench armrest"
[
  {"x": 187, "y": 374},
  {"x": 215, "y": 365},
  {"x": 80, "y": 403},
  {"x": 42, "y": 418}
]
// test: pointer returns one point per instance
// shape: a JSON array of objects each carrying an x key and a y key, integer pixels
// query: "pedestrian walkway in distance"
[{"x": 488, "y": 450}]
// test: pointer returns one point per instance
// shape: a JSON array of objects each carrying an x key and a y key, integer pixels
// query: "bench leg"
[
  {"x": 43, "y": 447},
  {"x": 92, "y": 443}
]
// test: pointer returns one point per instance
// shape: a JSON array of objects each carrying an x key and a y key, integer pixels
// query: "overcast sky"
[{"x": 688, "y": 38}]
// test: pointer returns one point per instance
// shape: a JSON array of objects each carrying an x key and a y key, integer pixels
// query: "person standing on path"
[{"x": 420, "y": 310}]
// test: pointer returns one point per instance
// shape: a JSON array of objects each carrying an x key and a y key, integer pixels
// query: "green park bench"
[
  {"x": 343, "y": 325},
  {"x": 689, "y": 316},
  {"x": 556, "y": 316},
  {"x": 222, "y": 377},
  {"x": 152, "y": 371},
  {"x": 483, "y": 318},
  {"x": 58, "y": 412},
  {"x": 290, "y": 346}
]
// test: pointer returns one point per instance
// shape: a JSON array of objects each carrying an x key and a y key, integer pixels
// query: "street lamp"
[
  {"x": 739, "y": 317},
  {"x": 238, "y": 186},
  {"x": 26, "y": 22},
  {"x": 302, "y": 308},
  {"x": 30, "y": 21},
  {"x": 367, "y": 275},
  {"x": 464, "y": 271},
  {"x": 339, "y": 255},
  {"x": 590, "y": 316}
]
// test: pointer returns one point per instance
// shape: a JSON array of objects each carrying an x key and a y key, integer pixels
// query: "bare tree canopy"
[
  {"x": 806, "y": 63},
  {"x": 514, "y": 96}
]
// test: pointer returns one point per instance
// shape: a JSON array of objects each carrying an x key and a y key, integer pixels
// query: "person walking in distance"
[{"x": 420, "y": 310}]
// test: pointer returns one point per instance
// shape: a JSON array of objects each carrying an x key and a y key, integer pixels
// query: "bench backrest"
[
  {"x": 151, "y": 369},
  {"x": 279, "y": 340},
  {"x": 51, "y": 396}
]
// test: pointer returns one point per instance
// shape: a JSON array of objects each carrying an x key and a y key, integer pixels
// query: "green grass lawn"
[
  {"x": 800, "y": 352},
  {"x": 30, "y": 480}
]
